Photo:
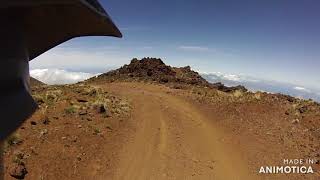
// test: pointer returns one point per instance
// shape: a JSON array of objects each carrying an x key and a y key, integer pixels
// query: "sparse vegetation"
[
  {"x": 18, "y": 158},
  {"x": 39, "y": 99},
  {"x": 257, "y": 96},
  {"x": 53, "y": 96},
  {"x": 237, "y": 93},
  {"x": 13, "y": 139},
  {"x": 70, "y": 110},
  {"x": 96, "y": 131}
]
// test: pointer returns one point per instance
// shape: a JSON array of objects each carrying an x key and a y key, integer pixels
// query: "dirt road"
[
  {"x": 156, "y": 132},
  {"x": 173, "y": 140}
]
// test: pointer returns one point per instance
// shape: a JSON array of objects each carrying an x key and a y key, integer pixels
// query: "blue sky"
[{"x": 274, "y": 40}]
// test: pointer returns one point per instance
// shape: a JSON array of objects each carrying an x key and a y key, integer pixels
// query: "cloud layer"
[
  {"x": 76, "y": 59},
  {"x": 255, "y": 84},
  {"x": 193, "y": 48},
  {"x": 217, "y": 76},
  {"x": 301, "y": 89},
  {"x": 57, "y": 76}
]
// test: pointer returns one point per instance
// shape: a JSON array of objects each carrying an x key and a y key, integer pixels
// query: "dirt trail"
[{"x": 173, "y": 140}]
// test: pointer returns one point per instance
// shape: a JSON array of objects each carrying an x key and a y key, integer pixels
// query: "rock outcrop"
[{"x": 155, "y": 70}]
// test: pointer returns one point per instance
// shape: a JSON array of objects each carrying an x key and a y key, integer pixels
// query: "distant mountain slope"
[
  {"x": 35, "y": 82},
  {"x": 256, "y": 84}
]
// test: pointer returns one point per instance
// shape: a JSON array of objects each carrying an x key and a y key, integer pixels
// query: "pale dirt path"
[{"x": 173, "y": 140}]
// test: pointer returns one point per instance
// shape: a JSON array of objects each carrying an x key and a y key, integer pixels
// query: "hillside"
[
  {"x": 34, "y": 82},
  {"x": 147, "y": 120},
  {"x": 155, "y": 70}
]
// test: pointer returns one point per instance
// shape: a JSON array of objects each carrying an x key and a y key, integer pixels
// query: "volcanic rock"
[{"x": 19, "y": 171}]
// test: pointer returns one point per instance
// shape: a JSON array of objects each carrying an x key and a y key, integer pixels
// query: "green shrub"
[
  {"x": 70, "y": 110},
  {"x": 96, "y": 131}
]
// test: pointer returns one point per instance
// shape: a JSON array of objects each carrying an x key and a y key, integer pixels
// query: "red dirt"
[{"x": 183, "y": 128}]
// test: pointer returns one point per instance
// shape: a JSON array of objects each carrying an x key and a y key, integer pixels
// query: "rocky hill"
[{"x": 155, "y": 70}]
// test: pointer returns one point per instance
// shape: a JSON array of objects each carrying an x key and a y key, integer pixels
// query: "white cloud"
[
  {"x": 57, "y": 76},
  {"x": 232, "y": 77},
  {"x": 135, "y": 28},
  {"x": 205, "y": 49},
  {"x": 194, "y": 48},
  {"x": 229, "y": 77},
  {"x": 80, "y": 58},
  {"x": 146, "y": 48},
  {"x": 301, "y": 89}
]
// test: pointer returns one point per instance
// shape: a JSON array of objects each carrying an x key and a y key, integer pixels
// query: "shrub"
[
  {"x": 257, "y": 96},
  {"x": 70, "y": 110},
  {"x": 39, "y": 99},
  {"x": 237, "y": 93},
  {"x": 18, "y": 158},
  {"x": 12, "y": 140},
  {"x": 96, "y": 131}
]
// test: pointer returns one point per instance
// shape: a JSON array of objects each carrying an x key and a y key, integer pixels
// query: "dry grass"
[
  {"x": 70, "y": 110},
  {"x": 257, "y": 96},
  {"x": 13, "y": 139},
  {"x": 237, "y": 94}
]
